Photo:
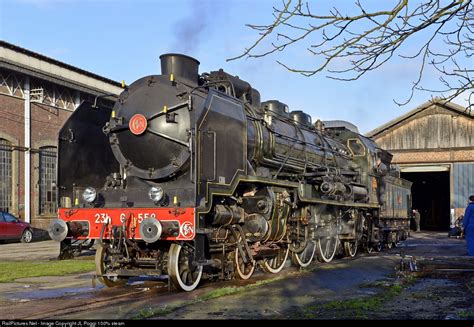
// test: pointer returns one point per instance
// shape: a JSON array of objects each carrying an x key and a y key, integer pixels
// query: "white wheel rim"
[
  {"x": 175, "y": 274},
  {"x": 267, "y": 263},
  {"x": 379, "y": 247},
  {"x": 350, "y": 249},
  {"x": 100, "y": 255},
  {"x": 327, "y": 254},
  {"x": 370, "y": 249},
  {"x": 241, "y": 274},
  {"x": 307, "y": 262}
]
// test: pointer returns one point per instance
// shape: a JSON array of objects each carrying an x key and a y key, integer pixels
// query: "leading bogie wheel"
[
  {"x": 102, "y": 264},
  {"x": 183, "y": 274}
]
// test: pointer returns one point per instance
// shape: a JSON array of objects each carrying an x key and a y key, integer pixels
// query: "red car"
[{"x": 11, "y": 228}]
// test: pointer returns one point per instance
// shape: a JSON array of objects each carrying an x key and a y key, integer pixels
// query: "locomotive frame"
[{"x": 193, "y": 177}]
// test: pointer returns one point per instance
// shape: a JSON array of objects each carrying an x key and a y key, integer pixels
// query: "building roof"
[
  {"x": 436, "y": 101},
  {"x": 32, "y": 63}
]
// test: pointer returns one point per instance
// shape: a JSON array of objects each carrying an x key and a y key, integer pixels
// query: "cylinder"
[
  {"x": 360, "y": 193},
  {"x": 256, "y": 227},
  {"x": 334, "y": 188},
  {"x": 180, "y": 66},
  {"x": 226, "y": 215}
]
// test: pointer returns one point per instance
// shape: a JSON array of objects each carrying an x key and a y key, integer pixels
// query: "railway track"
[
  {"x": 92, "y": 304},
  {"x": 62, "y": 306},
  {"x": 147, "y": 294}
]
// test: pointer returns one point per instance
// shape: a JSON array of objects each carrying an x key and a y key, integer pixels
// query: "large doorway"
[{"x": 430, "y": 195}]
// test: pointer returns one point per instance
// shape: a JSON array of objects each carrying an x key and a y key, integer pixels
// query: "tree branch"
[{"x": 367, "y": 40}]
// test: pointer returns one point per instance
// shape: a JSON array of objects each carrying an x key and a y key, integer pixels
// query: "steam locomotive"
[{"x": 192, "y": 176}]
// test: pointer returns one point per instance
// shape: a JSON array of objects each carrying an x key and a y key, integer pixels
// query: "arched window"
[
  {"x": 5, "y": 175},
  {"x": 47, "y": 167}
]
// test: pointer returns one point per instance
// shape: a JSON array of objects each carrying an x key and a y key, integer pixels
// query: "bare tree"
[{"x": 364, "y": 41}]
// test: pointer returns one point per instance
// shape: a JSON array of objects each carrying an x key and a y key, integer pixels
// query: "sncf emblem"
[
  {"x": 137, "y": 124},
  {"x": 187, "y": 230}
]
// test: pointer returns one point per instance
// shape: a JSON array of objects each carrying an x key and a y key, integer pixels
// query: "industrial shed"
[
  {"x": 37, "y": 95},
  {"x": 433, "y": 145}
]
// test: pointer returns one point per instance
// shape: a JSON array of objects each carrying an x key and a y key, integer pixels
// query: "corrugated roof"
[{"x": 57, "y": 62}]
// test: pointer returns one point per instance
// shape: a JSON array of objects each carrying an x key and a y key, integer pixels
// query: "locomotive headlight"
[
  {"x": 89, "y": 194},
  {"x": 156, "y": 193}
]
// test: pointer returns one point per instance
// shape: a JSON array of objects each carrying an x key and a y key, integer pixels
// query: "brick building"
[
  {"x": 37, "y": 94},
  {"x": 434, "y": 146}
]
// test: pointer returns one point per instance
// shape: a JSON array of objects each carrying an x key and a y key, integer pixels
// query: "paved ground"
[
  {"x": 434, "y": 244},
  {"x": 346, "y": 288},
  {"x": 43, "y": 250}
]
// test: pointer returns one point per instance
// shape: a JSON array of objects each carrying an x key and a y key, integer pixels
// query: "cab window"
[{"x": 356, "y": 147}]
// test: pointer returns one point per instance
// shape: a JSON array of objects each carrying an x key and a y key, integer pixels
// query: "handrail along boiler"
[{"x": 192, "y": 176}]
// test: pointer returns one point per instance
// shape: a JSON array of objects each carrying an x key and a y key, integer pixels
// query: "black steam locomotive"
[{"x": 192, "y": 176}]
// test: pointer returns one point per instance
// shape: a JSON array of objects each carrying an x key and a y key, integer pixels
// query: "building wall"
[
  {"x": 463, "y": 176},
  {"x": 440, "y": 136},
  {"x": 45, "y": 124},
  {"x": 432, "y": 129},
  {"x": 51, "y": 105},
  {"x": 432, "y": 156},
  {"x": 12, "y": 129}
]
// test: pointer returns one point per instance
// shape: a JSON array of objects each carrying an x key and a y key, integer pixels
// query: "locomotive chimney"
[{"x": 180, "y": 66}]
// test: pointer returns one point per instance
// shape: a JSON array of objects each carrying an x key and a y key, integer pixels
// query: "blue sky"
[{"x": 122, "y": 39}]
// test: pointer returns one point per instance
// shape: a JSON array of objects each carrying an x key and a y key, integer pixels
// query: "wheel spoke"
[
  {"x": 276, "y": 264},
  {"x": 379, "y": 246},
  {"x": 326, "y": 246},
  {"x": 304, "y": 258},
  {"x": 370, "y": 248},
  {"x": 103, "y": 264},
  {"x": 183, "y": 276},
  {"x": 242, "y": 270},
  {"x": 326, "y": 250},
  {"x": 306, "y": 236},
  {"x": 350, "y": 248}
]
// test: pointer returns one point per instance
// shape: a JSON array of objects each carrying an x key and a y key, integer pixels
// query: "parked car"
[{"x": 11, "y": 228}]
